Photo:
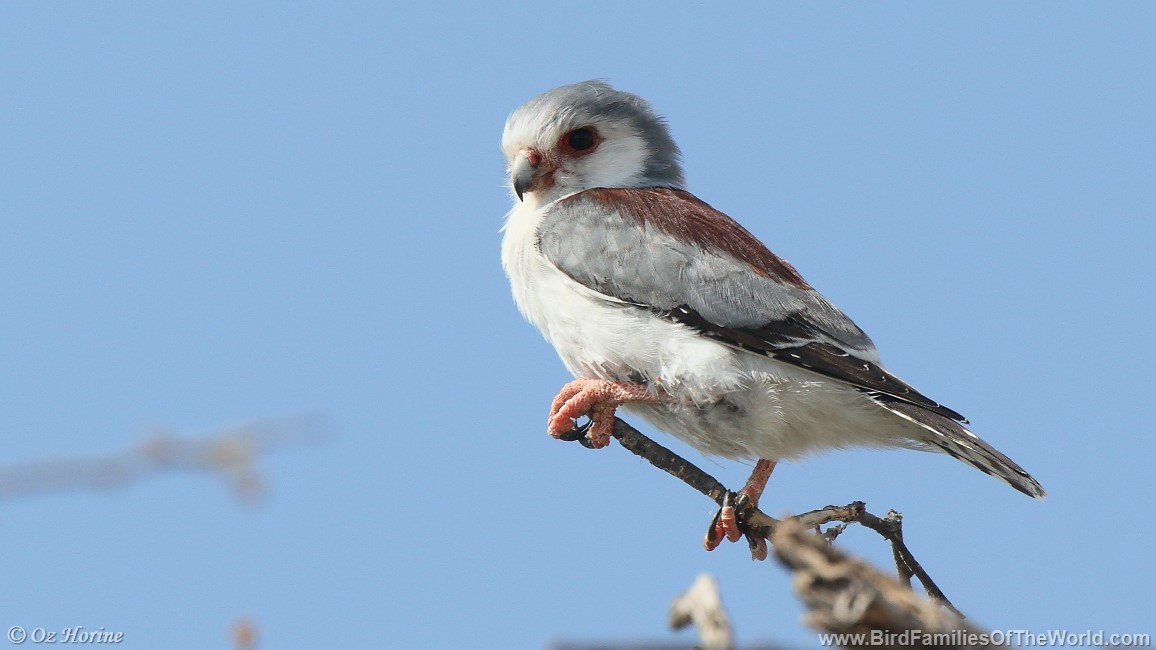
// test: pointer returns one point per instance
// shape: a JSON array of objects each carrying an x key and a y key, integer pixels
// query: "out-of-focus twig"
[
  {"x": 702, "y": 606},
  {"x": 244, "y": 633},
  {"x": 229, "y": 455},
  {"x": 846, "y": 596}
]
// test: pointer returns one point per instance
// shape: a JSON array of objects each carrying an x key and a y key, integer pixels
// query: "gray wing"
[{"x": 667, "y": 251}]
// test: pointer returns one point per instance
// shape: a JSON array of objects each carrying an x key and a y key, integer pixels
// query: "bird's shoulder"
[{"x": 656, "y": 214}]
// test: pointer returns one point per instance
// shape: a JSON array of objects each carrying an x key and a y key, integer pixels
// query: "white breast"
[{"x": 598, "y": 336}]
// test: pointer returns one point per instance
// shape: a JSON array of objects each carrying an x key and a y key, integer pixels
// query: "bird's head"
[{"x": 587, "y": 135}]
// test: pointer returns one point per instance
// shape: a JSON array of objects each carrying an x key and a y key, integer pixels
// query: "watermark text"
[{"x": 1017, "y": 638}]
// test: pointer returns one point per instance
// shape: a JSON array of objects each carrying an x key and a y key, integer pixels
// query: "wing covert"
[{"x": 665, "y": 250}]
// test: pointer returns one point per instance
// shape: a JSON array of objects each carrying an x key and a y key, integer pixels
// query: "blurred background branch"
[
  {"x": 846, "y": 596},
  {"x": 228, "y": 455}
]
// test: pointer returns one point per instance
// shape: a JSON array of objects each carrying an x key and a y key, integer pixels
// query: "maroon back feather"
[{"x": 691, "y": 220}]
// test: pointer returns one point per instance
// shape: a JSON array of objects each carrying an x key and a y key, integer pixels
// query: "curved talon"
[
  {"x": 758, "y": 547},
  {"x": 585, "y": 440},
  {"x": 578, "y": 434},
  {"x": 712, "y": 539},
  {"x": 724, "y": 524}
]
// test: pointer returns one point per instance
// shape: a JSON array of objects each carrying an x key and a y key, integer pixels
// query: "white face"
[{"x": 557, "y": 157}]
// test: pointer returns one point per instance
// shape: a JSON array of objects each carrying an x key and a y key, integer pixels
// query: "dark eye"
[{"x": 581, "y": 140}]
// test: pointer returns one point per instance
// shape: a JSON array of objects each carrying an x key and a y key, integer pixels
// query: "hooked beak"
[{"x": 530, "y": 172}]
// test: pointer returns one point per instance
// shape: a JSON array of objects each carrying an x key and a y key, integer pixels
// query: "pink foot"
[
  {"x": 726, "y": 524},
  {"x": 597, "y": 399}
]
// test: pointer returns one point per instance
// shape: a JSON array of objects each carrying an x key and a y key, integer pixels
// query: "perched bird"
[{"x": 662, "y": 305}]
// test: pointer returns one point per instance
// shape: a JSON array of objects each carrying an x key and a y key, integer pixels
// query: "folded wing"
[{"x": 667, "y": 251}]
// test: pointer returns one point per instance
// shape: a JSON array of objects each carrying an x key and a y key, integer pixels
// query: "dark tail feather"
[{"x": 955, "y": 440}]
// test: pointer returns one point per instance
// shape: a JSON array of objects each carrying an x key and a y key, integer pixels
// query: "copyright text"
[{"x": 18, "y": 635}]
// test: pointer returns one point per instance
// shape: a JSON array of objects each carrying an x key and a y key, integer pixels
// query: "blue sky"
[{"x": 220, "y": 213}]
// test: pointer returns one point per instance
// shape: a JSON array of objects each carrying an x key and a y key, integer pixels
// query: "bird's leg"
[
  {"x": 596, "y": 399},
  {"x": 725, "y": 523}
]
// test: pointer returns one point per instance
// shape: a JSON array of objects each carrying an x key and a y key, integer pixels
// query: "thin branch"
[
  {"x": 761, "y": 525},
  {"x": 905, "y": 572}
]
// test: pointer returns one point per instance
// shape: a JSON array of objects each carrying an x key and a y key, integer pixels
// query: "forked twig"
[{"x": 759, "y": 524}]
